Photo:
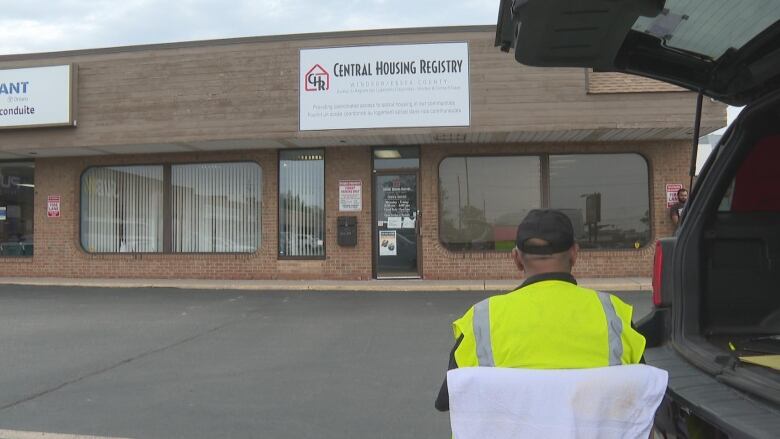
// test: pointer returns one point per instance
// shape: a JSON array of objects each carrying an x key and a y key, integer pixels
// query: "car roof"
[{"x": 726, "y": 49}]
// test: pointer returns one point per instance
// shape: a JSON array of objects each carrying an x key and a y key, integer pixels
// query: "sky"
[{"x": 33, "y": 26}]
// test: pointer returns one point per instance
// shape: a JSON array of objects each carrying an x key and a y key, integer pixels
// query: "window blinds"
[
  {"x": 301, "y": 203},
  {"x": 215, "y": 207},
  {"x": 121, "y": 209}
]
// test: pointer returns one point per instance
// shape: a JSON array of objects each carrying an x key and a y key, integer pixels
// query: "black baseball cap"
[{"x": 550, "y": 225}]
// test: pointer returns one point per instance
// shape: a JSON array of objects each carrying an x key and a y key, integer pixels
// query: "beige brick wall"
[
  {"x": 58, "y": 251},
  {"x": 248, "y": 90},
  {"x": 183, "y": 96},
  {"x": 611, "y": 82}
]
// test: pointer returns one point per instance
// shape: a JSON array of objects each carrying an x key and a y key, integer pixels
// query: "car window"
[
  {"x": 710, "y": 28},
  {"x": 756, "y": 187}
]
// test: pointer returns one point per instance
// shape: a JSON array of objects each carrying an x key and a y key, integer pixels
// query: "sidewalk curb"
[{"x": 494, "y": 286}]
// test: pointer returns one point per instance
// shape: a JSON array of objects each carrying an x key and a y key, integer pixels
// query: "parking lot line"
[{"x": 18, "y": 434}]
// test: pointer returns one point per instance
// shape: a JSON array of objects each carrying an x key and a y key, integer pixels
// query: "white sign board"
[
  {"x": 394, "y": 222},
  {"x": 350, "y": 195},
  {"x": 53, "y": 206},
  {"x": 671, "y": 194},
  {"x": 387, "y": 243},
  {"x": 389, "y": 86},
  {"x": 36, "y": 96}
]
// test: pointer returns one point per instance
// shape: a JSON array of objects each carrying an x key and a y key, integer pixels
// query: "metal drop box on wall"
[{"x": 347, "y": 231}]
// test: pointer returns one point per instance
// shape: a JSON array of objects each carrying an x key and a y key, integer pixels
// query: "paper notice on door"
[
  {"x": 387, "y": 243},
  {"x": 394, "y": 222},
  {"x": 408, "y": 223}
]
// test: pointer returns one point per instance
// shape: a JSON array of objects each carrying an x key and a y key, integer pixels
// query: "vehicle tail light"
[{"x": 658, "y": 263}]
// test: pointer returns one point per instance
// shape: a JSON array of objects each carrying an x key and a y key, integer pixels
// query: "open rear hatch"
[{"x": 726, "y": 49}]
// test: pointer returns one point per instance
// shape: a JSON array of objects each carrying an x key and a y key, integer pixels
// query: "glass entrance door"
[{"x": 397, "y": 225}]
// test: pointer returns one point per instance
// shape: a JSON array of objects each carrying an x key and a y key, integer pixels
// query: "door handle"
[{"x": 417, "y": 224}]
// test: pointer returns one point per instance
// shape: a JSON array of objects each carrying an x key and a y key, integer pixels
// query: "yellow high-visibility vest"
[{"x": 550, "y": 324}]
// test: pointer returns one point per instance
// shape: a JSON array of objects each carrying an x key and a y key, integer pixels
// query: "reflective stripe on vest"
[
  {"x": 481, "y": 326},
  {"x": 482, "y": 333},
  {"x": 614, "y": 329}
]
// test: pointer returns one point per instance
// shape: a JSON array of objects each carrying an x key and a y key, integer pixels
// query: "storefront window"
[
  {"x": 17, "y": 190},
  {"x": 302, "y": 203},
  {"x": 483, "y": 199},
  {"x": 606, "y": 197},
  {"x": 213, "y": 208},
  {"x": 216, "y": 207},
  {"x": 122, "y": 209}
]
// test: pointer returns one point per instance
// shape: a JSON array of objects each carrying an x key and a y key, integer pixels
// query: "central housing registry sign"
[{"x": 390, "y": 86}]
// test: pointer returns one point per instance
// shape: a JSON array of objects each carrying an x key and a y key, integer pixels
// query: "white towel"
[{"x": 601, "y": 403}]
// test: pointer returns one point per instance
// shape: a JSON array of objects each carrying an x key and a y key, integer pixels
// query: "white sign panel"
[
  {"x": 35, "y": 96},
  {"x": 53, "y": 206},
  {"x": 671, "y": 194},
  {"x": 394, "y": 222},
  {"x": 387, "y": 243},
  {"x": 350, "y": 195},
  {"x": 392, "y": 86}
]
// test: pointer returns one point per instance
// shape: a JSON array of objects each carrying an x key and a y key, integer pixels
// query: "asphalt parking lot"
[{"x": 169, "y": 363}]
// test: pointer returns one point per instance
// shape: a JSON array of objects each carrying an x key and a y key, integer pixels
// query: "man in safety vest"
[{"x": 548, "y": 322}]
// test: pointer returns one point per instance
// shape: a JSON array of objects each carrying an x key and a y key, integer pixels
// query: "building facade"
[{"x": 356, "y": 155}]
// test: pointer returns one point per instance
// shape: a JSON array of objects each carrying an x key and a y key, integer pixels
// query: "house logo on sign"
[{"x": 317, "y": 79}]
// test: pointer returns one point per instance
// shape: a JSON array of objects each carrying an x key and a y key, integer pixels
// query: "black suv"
[{"x": 716, "y": 285}]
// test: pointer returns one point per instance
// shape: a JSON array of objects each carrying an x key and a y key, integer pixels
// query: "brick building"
[{"x": 245, "y": 158}]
